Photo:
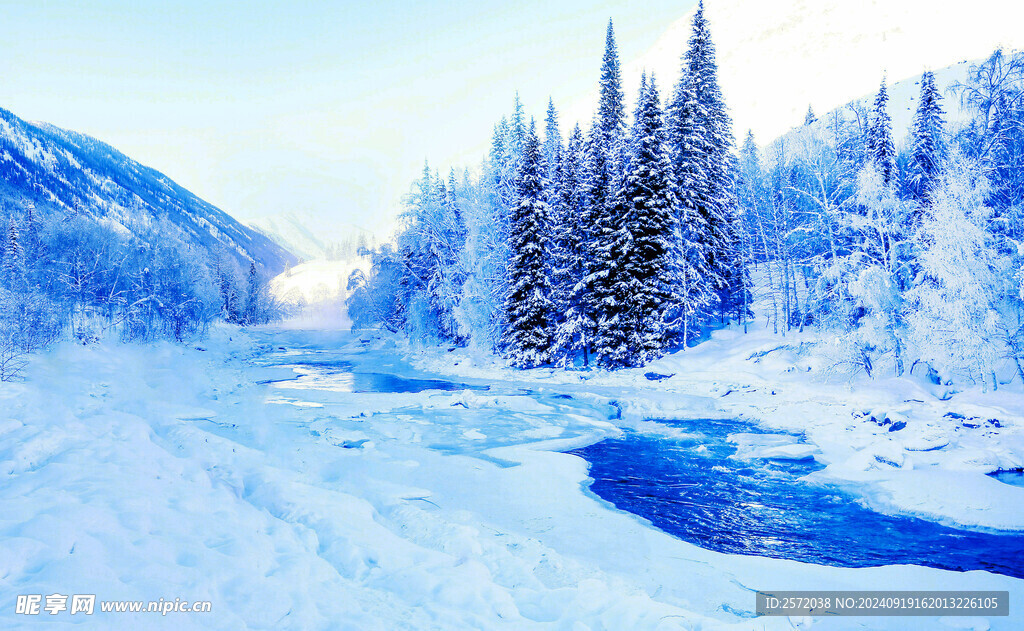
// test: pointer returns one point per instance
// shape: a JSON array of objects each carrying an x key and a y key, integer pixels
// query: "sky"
[
  {"x": 324, "y": 109},
  {"x": 327, "y": 110}
]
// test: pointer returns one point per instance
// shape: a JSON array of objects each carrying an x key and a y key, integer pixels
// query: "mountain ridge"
[{"x": 64, "y": 171}]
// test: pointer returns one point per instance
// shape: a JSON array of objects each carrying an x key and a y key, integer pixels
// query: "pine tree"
[
  {"x": 527, "y": 340},
  {"x": 33, "y": 242},
  {"x": 552, "y": 140},
  {"x": 611, "y": 112},
  {"x": 517, "y": 135},
  {"x": 252, "y": 296},
  {"x": 928, "y": 144},
  {"x": 881, "y": 149},
  {"x": 810, "y": 118},
  {"x": 572, "y": 233},
  {"x": 700, "y": 133},
  {"x": 13, "y": 259},
  {"x": 597, "y": 232},
  {"x": 632, "y": 326}
]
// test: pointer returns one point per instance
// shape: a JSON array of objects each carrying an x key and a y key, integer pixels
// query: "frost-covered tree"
[
  {"x": 881, "y": 149},
  {"x": 375, "y": 299},
  {"x": 809, "y": 117},
  {"x": 611, "y": 109},
  {"x": 955, "y": 311},
  {"x": 870, "y": 280},
  {"x": 552, "y": 141},
  {"x": 13, "y": 259},
  {"x": 596, "y": 221},
  {"x": 431, "y": 242},
  {"x": 527, "y": 340},
  {"x": 572, "y": 233}
]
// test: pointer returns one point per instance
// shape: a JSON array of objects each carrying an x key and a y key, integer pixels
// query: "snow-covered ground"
[{"x": 156, "y": 471}]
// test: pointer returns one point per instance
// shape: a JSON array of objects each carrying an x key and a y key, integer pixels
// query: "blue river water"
[{"x": 694, "y": 487}]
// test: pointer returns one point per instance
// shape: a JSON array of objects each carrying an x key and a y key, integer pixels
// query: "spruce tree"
[
  {"x": 13, "y": 259},
  {"x": 598, "y": 217},
  {"x": 700, "y": 133},
  {"x": 574, "y": 231},
  {"x": 32, "y": 241},
  {"x": 810, "y": 118},
  {"x": 881, "y": 149},
  {"x": 632, "y": 326},
  {"x": 527, "y": 339},
  {"x": 611, "y": 110},
  {"x": 252, "y": 296},
  {"x": 928, "y": 145},
  {"x": 552, "y": 140},
  {"x": 517, "y": 135}
]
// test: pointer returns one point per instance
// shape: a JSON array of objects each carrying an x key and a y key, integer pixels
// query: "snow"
[
  {"x": 318, "y": 289},
  {"x": 147, "y": 471}
]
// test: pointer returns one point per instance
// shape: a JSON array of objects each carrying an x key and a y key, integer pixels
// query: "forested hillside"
[
  {"x": 95, "y": 244},
  {"x": 638, "y": 235}
]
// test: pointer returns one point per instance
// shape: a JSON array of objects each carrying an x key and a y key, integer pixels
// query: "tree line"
[
  {"x": 616, "y": 244},
  {"x": 69, "y": 274},
  {"x": 638, "y": 236}
]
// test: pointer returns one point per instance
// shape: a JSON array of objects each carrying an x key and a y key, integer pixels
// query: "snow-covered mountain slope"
[
  {"x": 778, "y": 56},
  {"x": 67, "y": 172},
  {"x": 904, "y": 95},
  {"x": 903, "y": 98},
  {"x": 308, "y": 237}
]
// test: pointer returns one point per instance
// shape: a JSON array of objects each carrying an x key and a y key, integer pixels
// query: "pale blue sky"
[{"x": 326, "y": 108}]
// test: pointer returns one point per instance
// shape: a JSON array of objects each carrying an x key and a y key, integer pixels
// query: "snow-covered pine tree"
[
  {"x": 697, "y": 280},
  {"x": 810, "y": 118},
  {"x": 611, "y": 109},
  {"x": 32, "y": 240},
  {"x": 602, "y": 155},
  {"x": 572, "y": 232},
  {"x": 252, "y": 288},
  {"x": 631, "y": 331},
  {"x": 498, "y": 160},
  {"x": 597, "y": 232},
  {"x": 517, "y": 135},
  {"x": 927, "y": 140},
  {"x": 700, "y": 134},
  {"x": 561, "y": 225},
  {"x": 881, "y": 149},
  {"x": 527, "y": 339},
  {"x": 13, "y": 259},
  {"x": 552, "y": 140}
]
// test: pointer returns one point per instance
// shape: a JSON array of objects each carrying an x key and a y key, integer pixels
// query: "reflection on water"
[{"x": 692, "y": 486}]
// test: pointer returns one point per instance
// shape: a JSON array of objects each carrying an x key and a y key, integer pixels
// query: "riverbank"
[
  {"x": 905, "y": 445},
  {"x": 259, "y": 475}
]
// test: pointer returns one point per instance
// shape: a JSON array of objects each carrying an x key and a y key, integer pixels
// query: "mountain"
[
  {"x": 313, "y": 239},
  {"x": 69, "y": 173}
]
